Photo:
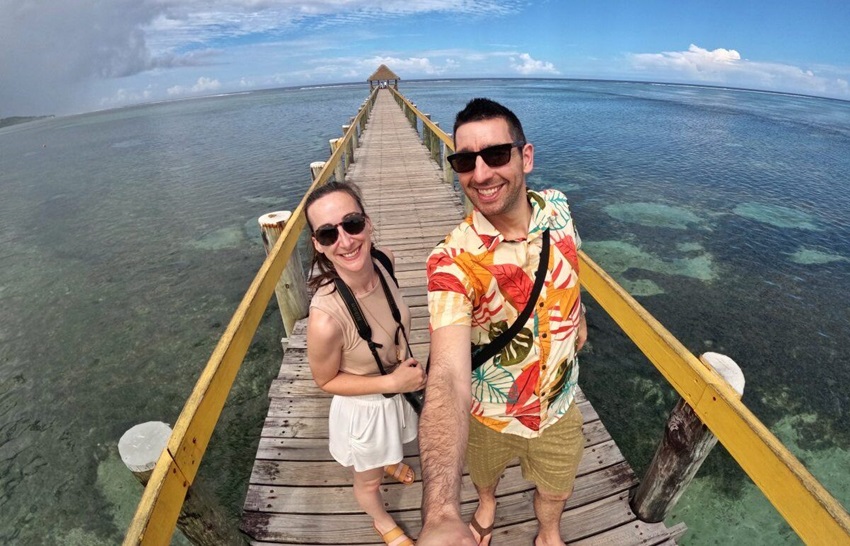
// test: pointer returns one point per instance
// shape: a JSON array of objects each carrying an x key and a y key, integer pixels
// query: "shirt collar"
[{"x": 542, "y": 217}]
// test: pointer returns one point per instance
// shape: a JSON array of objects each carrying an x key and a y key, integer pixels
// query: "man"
[{"x": 520, "y": 403}]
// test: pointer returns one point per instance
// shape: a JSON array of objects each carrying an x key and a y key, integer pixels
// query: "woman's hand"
[{"x": 409, "y": 376}]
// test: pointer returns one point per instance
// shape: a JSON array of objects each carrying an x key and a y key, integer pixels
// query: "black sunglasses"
[
  {"x": 353, "y": 223},
  {"x": 494, "y": 156}
]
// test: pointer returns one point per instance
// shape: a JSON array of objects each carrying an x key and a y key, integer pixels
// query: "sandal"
[
  {"x": 401, "y": 473},
  {"x": 394, "y": 534},
  {"x": 483, "y": 532}
]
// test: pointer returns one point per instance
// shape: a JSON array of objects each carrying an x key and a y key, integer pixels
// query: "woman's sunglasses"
[
  {"x": 352, "y": 223},
  {"x": 494, "y": 156}
]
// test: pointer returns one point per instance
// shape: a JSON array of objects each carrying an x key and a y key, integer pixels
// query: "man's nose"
[{"x": 482, "y": 171}]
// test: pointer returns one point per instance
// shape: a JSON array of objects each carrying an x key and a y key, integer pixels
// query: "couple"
[{"x": 519, "y": 403}]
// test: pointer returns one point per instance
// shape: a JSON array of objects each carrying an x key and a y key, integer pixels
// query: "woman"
[{"x": 366, "y": 429}]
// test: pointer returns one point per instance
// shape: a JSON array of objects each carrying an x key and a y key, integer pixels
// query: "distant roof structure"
[{"x": 383, "y": 76}]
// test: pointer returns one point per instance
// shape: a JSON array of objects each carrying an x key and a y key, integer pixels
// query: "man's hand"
[
  {"x": 445, "y": 532},
  {"x": 581, "y": 337}
]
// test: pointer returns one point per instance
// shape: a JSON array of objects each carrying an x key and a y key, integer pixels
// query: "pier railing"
[{"x": 804, "y": 503}]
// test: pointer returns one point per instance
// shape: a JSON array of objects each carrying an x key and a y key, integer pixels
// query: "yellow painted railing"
[
  {"x": 810, "y": 510},
  {"x": 159, "y": 508}
]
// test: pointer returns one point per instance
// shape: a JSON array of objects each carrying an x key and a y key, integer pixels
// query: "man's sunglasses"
[
  {"x": 494, "y": 156},
  {"x": 352, "y": 223}
]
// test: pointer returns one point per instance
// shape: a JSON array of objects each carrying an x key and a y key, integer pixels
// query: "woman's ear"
[{"x": 319, "y": 248}]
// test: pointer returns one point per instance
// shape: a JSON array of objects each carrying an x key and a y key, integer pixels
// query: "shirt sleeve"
[{"x": 449, "y": 292}]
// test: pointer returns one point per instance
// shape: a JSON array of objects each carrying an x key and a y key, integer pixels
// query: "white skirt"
[{"x": 368, "y": 431}]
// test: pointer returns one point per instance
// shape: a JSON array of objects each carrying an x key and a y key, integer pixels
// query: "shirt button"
[
  {"x": 540, "y": 305},
  {"x": 543, "y": 335}
]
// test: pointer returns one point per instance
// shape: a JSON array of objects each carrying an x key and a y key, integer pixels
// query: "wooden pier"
[{"x": 299, "y": 495}]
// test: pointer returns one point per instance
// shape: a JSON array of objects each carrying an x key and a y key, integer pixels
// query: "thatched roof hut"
[{"x": 382, "y": 77}]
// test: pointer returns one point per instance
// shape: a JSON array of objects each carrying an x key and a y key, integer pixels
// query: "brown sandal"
[
  {"x": 483, "y": 532},
  {"x": 401, "y": 473},
  {"x": 394, "y": 534}
]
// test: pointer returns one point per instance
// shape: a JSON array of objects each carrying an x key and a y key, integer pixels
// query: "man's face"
[{"x": 495, "y": 191}]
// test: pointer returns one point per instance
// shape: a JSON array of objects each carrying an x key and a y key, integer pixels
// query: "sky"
[{"x": 71, "y": 56}]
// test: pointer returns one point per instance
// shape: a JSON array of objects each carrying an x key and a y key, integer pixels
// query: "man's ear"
[{"x": 528, "y": 158}]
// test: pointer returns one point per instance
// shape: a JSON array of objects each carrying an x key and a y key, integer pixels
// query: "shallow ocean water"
[{"x": 128, "y": 237}]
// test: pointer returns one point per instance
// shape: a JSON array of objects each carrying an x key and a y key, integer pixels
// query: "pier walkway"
[{"x": 299, "y": 495}]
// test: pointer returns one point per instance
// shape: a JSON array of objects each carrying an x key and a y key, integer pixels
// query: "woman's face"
[{"x": 350, "y": 252}]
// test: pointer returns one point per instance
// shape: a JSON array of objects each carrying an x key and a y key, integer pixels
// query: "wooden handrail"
[
  {"x": 178, "y": 465},
  {"x": 804, "y": 503}
]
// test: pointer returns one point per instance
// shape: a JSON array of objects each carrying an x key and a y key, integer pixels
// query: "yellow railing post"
[{"x": 291, "y": 289}]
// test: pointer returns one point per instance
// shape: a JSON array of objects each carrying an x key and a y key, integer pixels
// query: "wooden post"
[
  {"x": 339, "y": 171},
  {"x": 435, "y": 144},
  {"x": 316, "y": 168},
  {"x": 355, "y": 135},
  {"x": 686, "y": 444},
  {"x": 426, "y": 139},
  {"x": 291, "y": 288},
  {"x": 349, "y": 148},
  {"x": 202, "y": 521},
  {"x": 448, "y": 173}
]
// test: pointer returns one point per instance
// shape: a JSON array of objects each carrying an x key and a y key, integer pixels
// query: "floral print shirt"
[{"x": 477, "y": 278}]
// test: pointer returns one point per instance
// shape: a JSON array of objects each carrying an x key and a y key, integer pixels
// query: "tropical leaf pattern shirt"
[{"x": 477, "y": 278}]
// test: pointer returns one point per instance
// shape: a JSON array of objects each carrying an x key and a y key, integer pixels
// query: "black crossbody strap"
[
  {"x": 385, "y": 261},
  {"x": 486, "y": 352},
  {"x": 363, "y": 328}
]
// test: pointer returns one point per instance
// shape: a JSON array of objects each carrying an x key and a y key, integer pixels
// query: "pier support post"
[
  {"x": 435, "y": 144},
  {"x": 355, "y": 135},
  {"x": 316, "y": 169},
  {"x": 349, "y": 148},
  {"x": 202, "y": 521},
  {"x": 448, "y": 173},
  {"x": 291, "y": 288},
  {"x": 426, "y": 132},
  {"x": 686, "y": 444},
  {"x": 339, "y": 171}
]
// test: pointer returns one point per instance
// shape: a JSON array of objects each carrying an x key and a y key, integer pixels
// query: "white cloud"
[
  {"x": 697, "y": 62},
  {"x": 125, "y": 96},
  {"x": 203, "y": 85},
  {"x": 527, "y": 66},
  {"x": 728, "y": 67}
]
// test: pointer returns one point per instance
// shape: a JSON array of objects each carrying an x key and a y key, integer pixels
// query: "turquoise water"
[{"x": 128, "y": 237}]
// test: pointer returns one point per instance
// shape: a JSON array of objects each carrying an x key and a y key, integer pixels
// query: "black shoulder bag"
[
  {"x": 417, "y": 398},
  {"x": 483, "y": 353}
]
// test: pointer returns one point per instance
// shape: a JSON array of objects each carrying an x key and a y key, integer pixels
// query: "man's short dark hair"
[{"x": 481, "y": 109}]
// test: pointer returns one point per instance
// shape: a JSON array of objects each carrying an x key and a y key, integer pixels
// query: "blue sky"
[{"x": 81, "y": 55}]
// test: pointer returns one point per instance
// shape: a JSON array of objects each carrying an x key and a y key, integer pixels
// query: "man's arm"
[{"x": 443, "y": 430}]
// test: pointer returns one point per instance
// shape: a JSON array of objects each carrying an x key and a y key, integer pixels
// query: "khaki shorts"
[{"x": 549, "y": 461}]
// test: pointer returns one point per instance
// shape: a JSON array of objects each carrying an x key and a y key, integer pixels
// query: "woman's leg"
[{"x": 367, "y": 491}]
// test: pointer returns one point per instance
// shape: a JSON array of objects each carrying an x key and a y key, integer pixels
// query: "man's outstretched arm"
[{"x": 443, "y": 430}]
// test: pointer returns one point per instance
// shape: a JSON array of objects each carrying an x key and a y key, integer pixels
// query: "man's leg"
[
  {"x": 548, "y": 507},
  {"x": 485, "y": 514},
  {"x": 487, "y": 455},
  {"x": 551, "y": 463}
]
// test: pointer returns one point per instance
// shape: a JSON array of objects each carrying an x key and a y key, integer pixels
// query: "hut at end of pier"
[{"x": 383, "y": 77}]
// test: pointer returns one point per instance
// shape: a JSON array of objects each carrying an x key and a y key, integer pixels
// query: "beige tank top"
[{"x": 357, "y": 359}]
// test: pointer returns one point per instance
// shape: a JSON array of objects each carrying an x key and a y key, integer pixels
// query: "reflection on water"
[{"x": 128, "y": 237}]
